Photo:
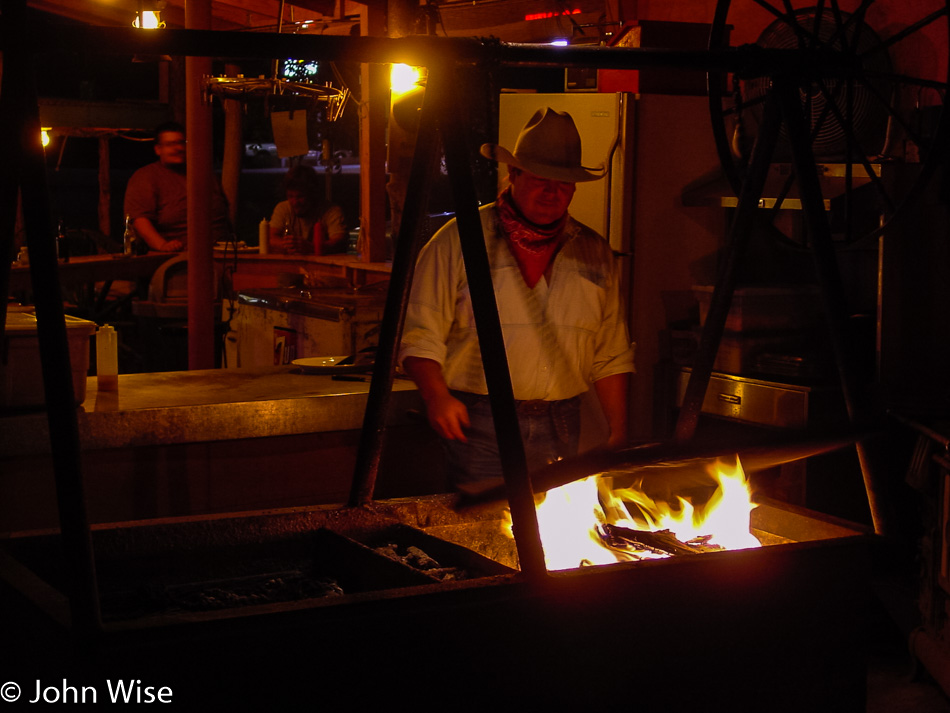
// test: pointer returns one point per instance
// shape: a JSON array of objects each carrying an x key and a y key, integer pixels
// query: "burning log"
[
  {"x": 590, "y": 521},
  {"x": 662, "y": 542}
]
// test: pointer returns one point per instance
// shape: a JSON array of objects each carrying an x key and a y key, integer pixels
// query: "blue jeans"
[{"x": 549, "y": 432}]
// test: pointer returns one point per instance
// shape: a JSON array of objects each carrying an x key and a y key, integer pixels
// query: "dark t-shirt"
[{"x": 161, "y": 195}]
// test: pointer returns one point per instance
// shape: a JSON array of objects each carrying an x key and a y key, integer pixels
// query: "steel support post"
[
  {"x": 829, "y": 278},
  {"x": 19, "y": 114},
  {"x": 740, "y": 231},
  {"x": 424, "y": 162}
]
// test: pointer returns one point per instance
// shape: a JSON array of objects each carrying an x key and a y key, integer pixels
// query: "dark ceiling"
[{"x": 508, "y": 20}]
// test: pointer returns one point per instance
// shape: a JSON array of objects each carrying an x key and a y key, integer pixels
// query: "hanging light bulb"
[
  {"x": 149, "y": 19},
  {"x": 403, "y": 78}
]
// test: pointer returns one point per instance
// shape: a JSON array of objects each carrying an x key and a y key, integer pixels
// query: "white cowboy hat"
[{"x": 548, "y": 146}]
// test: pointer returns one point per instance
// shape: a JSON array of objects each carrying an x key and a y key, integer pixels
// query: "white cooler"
[{"x": 21, "y": 376}]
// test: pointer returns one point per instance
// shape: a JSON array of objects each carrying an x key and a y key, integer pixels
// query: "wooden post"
[
  {"x": 105, "y": 187},
  {"x": 231, "y": 165},
  {"x": 200, "y": 178},
  {"x": 374, "y": 110}
]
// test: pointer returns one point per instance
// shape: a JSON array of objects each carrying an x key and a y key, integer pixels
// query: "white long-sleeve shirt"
[{"x": 560, "y": 336}]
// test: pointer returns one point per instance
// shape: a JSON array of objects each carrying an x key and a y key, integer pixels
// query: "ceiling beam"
[{"x": 226, "y": 14}]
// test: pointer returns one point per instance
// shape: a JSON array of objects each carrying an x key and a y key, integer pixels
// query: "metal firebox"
[{"x": 201, "y": 605}]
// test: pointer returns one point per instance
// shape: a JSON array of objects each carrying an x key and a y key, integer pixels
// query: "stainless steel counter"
[{"x": 168, "y": 408}]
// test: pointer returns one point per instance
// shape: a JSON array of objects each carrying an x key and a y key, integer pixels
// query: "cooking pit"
[{"x": 345, "y": 607}]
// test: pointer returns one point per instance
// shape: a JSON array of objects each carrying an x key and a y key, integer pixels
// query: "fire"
[
  {"x": 724, "y": 517},
  {"x": 575, "y": 520}
]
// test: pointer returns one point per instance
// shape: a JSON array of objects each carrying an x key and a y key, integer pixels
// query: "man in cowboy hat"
[{"x": 557, "y": 289}]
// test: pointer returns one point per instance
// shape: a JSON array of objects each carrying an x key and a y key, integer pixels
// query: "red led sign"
[{"x": 546, "y": 15}]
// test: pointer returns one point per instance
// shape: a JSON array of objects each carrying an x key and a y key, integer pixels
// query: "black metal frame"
[{"x": 20, "y": 38}]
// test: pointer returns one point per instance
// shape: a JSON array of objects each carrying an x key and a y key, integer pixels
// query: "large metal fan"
[{"x": 877, "y": 134}]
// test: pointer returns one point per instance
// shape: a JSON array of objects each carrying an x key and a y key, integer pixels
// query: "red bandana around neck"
[{"x": 533, "y": 246}]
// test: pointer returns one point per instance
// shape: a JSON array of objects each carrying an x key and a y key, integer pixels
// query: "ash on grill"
[
  {"x": 259, "y": 589},
  {"x": 211, "y": 595},
  {"x": 419, "y": 560}
]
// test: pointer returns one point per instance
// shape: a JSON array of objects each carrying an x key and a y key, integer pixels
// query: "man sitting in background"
[{"x": 156, "y": 199}]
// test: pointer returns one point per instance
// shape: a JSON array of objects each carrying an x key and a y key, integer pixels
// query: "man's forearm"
[
  {"x": 427, "y": 374},
  {"x": 144, "y": 229},
  {"x": 447, "y": 415},
  {"x": 612, "y": 394}
]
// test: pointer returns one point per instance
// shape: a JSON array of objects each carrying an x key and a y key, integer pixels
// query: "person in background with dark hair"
[
  {"x": 156, "y": 199},
  {"x": 303, "y": 224}
]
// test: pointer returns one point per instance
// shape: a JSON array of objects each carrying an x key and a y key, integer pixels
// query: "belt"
[
  {"x": 535, "y": 407},
  {"x": 529, "y": 407},
  {"x": 563, "y": 413}
]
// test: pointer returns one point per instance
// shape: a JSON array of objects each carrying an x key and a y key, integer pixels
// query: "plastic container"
[
  {"x": 263, "y": 235},
  {"x": 107, "y": 358},
  {"x": 21, "y": 378}
]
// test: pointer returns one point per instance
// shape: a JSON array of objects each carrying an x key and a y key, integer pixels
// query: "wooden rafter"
[{"x": 226, "y": 14}]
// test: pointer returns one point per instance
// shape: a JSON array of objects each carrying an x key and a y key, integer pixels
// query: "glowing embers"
[{"x": 589, "y": 522}]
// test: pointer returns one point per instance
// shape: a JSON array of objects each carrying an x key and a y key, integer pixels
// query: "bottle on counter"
[
  {"x": 129, "y": 238},
  {"x": 288, "y": 235},
  {"x": 263, "y": 233},
  {"x": 62, "y": 242},
  {"x": 107, "y": 358}
]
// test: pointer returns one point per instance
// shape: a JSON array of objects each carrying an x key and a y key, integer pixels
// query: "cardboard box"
[{"x": 21, "y": 376}]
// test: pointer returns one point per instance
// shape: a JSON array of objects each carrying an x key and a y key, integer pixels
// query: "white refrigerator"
[{"x": 605, "y": 123}]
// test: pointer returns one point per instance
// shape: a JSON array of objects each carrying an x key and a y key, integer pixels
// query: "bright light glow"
[
  {"x": 567, "y": 520},
  {"x": 570, "y": 518},
  {"x": 559, "y": 43},
  {"x": 149, "y": 21},
  {"x": 44, "y": 137},
  {"x": 403, "y": 78}
]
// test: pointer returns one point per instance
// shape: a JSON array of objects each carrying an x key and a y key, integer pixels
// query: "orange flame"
[{"x": 570, "y": 518}]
